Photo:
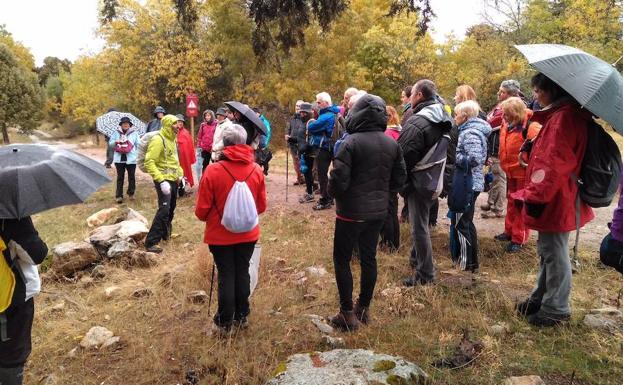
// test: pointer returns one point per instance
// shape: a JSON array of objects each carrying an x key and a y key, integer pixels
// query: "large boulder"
[
  {"x": 121, "y": 250},
  {"x": 101, "y": 217},
  {"x": 104, "y": 237},
  {"x": 70, "y": 257},
  {"x": 347, "y": 366},
  {"x": 134, "y": 215},
  {"x": 132, "y": 229}
]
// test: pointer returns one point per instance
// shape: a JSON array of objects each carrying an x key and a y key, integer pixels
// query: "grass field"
[{"x": 164, "y": 336}]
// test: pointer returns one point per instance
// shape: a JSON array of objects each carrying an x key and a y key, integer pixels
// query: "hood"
[
  {"x": 435, "y": 113},
  {"x": 478, "y": 125},
  {"x": 368, "y": 114},
  {"x": 167, "y": 126},
  {"x": 239, "y": 153}
]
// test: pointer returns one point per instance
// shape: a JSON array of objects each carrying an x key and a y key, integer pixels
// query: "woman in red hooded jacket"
[
  {"x": 231, "y": 251},
  {"x": 550, "y": 196},
  {"x": 186, "y": 152}
]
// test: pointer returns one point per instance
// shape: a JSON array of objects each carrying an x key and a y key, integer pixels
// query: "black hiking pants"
[
  {"x": 347, "y": 235},
  {"x": 207, "y": 156},
  {"x": 390, "y": 234},
  {"x": 16, "y": 347},
  {"x": 161, "y": 225},
  {"x": 232, "y": 262},
  {"x": 309, "y": 175},
  {"x": 323, "y": 161},
  {"x": 121, "y": 169}
]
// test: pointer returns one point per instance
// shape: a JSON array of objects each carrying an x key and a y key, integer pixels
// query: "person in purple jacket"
[{"x": 611, "y": 251}]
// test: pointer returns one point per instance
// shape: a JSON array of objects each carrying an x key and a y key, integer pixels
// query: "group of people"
[{"x": 532, "y": 148}]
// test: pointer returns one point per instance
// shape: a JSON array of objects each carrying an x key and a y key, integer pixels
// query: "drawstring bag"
[
  {"x": 240, "y": 212},
  {"x": 7, "y": 280}
]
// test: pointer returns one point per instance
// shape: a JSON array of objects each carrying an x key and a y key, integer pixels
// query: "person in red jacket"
[
  {"x": 550, "y": 196},
  {"x": 231, "y": 251},
  {"x": 205, "y": 136},
  {"x": 185, "y": 153},
  {"x": 517, "y": 127}
]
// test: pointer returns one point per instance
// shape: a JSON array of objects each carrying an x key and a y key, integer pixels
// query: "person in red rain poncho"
[{"x": 186, "y": 153}]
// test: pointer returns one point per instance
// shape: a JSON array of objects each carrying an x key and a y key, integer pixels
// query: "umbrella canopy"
[
  {"x": 107, "y": 124},
  {"x": 38, "y": 177},
  {"x": 595, "y": 84},
  {"x": 249, "y": 114}
]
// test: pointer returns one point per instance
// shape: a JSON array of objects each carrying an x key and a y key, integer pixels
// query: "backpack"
[
  {"x": 143, "y": 144},
  {"x": 461, "y": 194},
  {"x": 600, "y": 174},
  {"x": 240, "y": 213},
  {"x": 7, "y": 280},
  {"x": 427, "y": 174}
]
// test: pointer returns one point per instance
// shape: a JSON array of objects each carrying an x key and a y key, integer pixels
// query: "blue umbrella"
[
  {"x": 39, "y": 177},
  {"x": 595, "y": 84},
  {"x": 107, "y": 124}
]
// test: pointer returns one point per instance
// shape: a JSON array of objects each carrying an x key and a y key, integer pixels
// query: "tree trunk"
[{"x": 5, "y": 133}]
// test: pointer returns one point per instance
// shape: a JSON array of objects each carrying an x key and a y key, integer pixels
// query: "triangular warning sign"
[{"x": 192, "y": 105}]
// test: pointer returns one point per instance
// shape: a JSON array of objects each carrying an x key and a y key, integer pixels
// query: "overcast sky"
[{"x": 65, "y": 28}]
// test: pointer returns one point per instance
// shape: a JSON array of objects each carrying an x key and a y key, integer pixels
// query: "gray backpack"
[
  {"x": 427, "y": 174},
  {"x": 143, "y": 144}
]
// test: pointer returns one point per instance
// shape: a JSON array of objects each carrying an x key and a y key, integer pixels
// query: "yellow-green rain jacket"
[{"x": 161, "y": 159}]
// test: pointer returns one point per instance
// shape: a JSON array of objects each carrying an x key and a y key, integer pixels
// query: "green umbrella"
[{"x": 595, "y": 84}]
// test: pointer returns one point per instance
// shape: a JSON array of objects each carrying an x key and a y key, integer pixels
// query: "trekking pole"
[
  {"x": 211, "y": 287},
  {"x": 287, "y": 173}
]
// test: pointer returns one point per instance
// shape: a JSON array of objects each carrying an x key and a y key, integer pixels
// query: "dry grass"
[{"x": 164, "y": 336}]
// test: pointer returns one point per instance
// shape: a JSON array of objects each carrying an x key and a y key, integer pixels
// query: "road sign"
[{"x": 192, "y": 105}]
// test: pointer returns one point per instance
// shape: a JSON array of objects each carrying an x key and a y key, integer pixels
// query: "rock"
[
  {"x": 134, "y": 215},
  {"x": 110, "y": 291},
  {"x": 72, "y": 353},
  {"x": 309, "y": 297},
  {"x": 132, "y": 229},
  {"x": 121, "y": 249},
  {"x": 607, "y": 311},
  {"x": 316, "y": 271},
  {"x": 101, "y": 217},
  {"x": 346, "y": 366},
  {"x": 142, "y": 292},
  {"x": 98, "y": 272},
  {"x": 103, "y": 237},
  {"x": 111, "y": 342},
  {"x": 95, "y": 337},
  {"x": 59, "y": 307},
  {"x": 143, "y": 259},
  {"x": 50, "y": 379},
  {"x": 499, "y": 329},
  {"x": 524, "y": 380},
  {"x": 197, "y": 296},
  {"x": 71, "y": 257},
  {"x": 603, "y": 322},
  {"x": 106, "y": 317},
  {"x": 333, "y": 342},
  {"x": 320, "y": 324}
]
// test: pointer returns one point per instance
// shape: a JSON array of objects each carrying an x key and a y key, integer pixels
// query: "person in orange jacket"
[
  {"x": 186, "y": 155},
  {"x": 516, "y": 129}
]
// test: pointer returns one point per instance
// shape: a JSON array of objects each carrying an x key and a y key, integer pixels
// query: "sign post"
[{"x": 192, "y": 110}]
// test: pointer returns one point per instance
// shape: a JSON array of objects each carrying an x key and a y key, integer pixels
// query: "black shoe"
[
  {"x": 541, "y": 319},
  {"x": 513, "y": 247},
  {"x": 306, "y": 198},
  {"x": 242, "y": 323},
  {"x": 153, "y": 249},
  {"x": 322, "y": 206},
  {"x": 107, "y": 166},
  {"x": 502, "y": 237},
  {"x": 416, "y": 281},
  {"x": 527, "y": 307},
  {"x": 119, "y": 200}
]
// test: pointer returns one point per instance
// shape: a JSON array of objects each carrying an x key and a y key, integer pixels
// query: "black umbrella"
[
  {"x": 249, "y": 114},
  {"x": 38, "y": 177}
]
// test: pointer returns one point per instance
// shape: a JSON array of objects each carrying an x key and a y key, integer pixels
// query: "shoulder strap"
[
  {"x": 234, "y": 178},
  {"x": 524, "y": 132}
]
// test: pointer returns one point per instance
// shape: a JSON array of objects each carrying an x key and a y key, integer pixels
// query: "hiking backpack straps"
[
  {"x": 7, "y": 287},
  {"x": 240, "y": 212}
]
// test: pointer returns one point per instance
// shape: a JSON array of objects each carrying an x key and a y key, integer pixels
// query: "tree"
[
  {"x": 52, "y": 67},
  {"x": 21, "y": 99}
]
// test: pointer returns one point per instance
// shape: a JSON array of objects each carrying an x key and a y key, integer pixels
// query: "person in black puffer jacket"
[{"x": 366, "y": 168}]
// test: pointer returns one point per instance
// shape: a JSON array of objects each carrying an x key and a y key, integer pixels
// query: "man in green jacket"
[{"x": 163, "y": 165}]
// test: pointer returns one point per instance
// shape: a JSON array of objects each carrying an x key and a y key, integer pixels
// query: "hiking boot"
[
  {"x": 131, "y": 197},
  {"x": 306, "y": 198},
  {"x": 527, "y": 307},
  {"x": 485, "y": 207},
  {"x": 322, "y": 206},
  {"x": 541, "y": 319},
  {"x": 416, "y": 280},
  {"x": 502, "y": 237},
  {"x": 362, "y": 313},
  {"x": 119, "y": 200},
  {"x": 220, "y": 331},
  {"x": 492, "y": 214},
  {"x": 316, "y": 191},
  {"x": 107, "y": 165},
  {"x": 242, "y": 323},
  {"x": 345, "y": 321},
  {"x": 153, "y": 249},
  {"x": 513, "y": 247}
]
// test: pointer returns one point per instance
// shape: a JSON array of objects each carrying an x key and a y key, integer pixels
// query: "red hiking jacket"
[
  {"x": 215, "y": 186},
  {"x": 186, "y": 154},
  {"x": 556, "y": 157}
]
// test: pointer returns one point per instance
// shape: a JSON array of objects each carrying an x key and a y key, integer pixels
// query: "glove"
[
  {"x": 165, "y": 187},
  {"x": 535, "y": 210}
]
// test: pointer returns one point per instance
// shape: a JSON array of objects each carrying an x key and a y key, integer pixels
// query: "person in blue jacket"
[
  {"x": 124, "y": 141},
  {"x": 319, "y": 134}
]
